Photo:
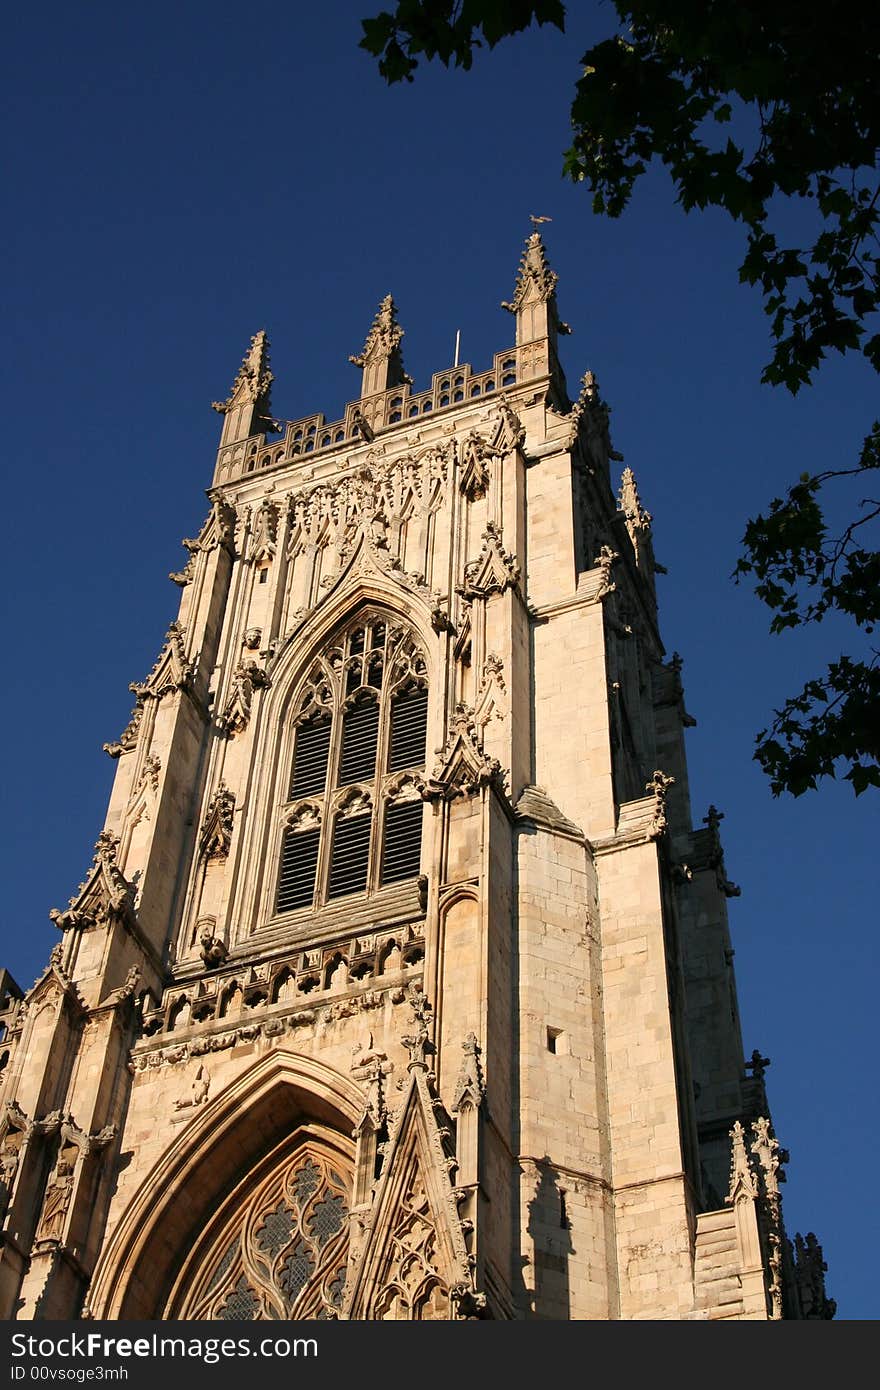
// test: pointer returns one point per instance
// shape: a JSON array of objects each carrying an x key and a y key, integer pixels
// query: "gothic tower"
[{"x": 400, "y": 985}]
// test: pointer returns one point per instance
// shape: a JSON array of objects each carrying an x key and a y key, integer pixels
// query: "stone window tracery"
[
  {"x": 281, "y": 1253},
  {"x": 352, "y": 819}
]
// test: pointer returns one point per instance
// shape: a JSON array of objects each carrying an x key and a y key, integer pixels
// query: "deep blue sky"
[{"x": 180, "y": 175}]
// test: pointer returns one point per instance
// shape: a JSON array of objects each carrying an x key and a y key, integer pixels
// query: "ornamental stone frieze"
[
  {"x": 159, "y": 1053},
  {"x": 375, "y": 499},
  {"x": 301, "y": 977}
]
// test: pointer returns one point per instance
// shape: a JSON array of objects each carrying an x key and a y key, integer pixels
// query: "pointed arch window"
[
  {"x": 352, "y": 820},
  {"x": 279, "y": 1245}
]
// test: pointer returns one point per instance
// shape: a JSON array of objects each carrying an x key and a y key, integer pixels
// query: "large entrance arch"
[{"x": 277, "y": 1130}]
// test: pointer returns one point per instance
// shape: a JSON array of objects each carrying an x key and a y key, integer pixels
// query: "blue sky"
[{"x": 181, "y": 175}]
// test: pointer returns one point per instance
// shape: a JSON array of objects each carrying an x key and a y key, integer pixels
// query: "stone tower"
[{"x": 400, "y": 985}]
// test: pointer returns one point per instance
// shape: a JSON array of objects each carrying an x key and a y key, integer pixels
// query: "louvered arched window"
[{"x": 352, "y": 821}]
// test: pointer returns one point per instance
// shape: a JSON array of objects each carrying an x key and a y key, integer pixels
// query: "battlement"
[{"x": 366, "y": 416}]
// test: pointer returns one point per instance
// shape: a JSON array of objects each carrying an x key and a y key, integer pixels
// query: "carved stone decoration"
[
  {"x": 59, "y": 1191},
  {"x": 264, "y": 531},
  {"x": 592, "y": 414},
  {"x": 126, "y": 991},
  {"x": 368, "y": 508},
  {"x": 476, "y": 454},
  {"x": 246, "y": 678},
  {"x": 384, "y": 337},
  {"x": 510, "y": 433},
  {"x": 216, "y": 836},
  {"x": 353, "y": 801},
  {"x": 73, "y": 1143},
  {"x": 440, "y": 620},
  {"x": 372, "y": 1067},
  {"x": 418, "y": 1043},
  {"x": 185, "y": 576},
  {"x": 201, "y": 1084},
  {"x": 412, "y": 1246},
  {"x": 629, "y": 502},
  {"x": 282, "y": 1246},
  {"x": 128, "y": 738},
  {"x": 305, "y": 816},
  {"x": 405, "y": 786},
  {"x": 252, "y": 638},
  {"x": 171, "y": 670},
  {"x": 213, "y": 949},
  {"x": 491, "y": 693},
  {"x": 659, "y": 787},
  {"x": 769, "y": 1158},
  {"x": 217, "y": 530},
  {"x": 605, "y": 560},
  {"x": 743, "y": 1187},
  {"x": 535, "y": 280},
  {"x": 150, "y": 772},
  {"x": 254, "y": 379},
  {"x": 494, "y": 570},
  {"x": 15, "y": 1130},
  {"x": 463, "y": 767},
  {"x": 713, "y": 857},
  {"x": 810, "y": 1269},
  {"x": 469, "y": 1087},
  {"x": 104, "y": 895}
]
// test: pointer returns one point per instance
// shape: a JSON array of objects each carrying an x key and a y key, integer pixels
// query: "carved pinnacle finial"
[
  {"x": 381, "y": 357},
  {"x": 535, "y": 281},
  {"x": 742, "y": 1182},
  {"x": 254, "y": 379},
  {"x": 630, "y": 503},
  {"x": 418, "y": 1043},
  {"x": 384, "y": 336}
]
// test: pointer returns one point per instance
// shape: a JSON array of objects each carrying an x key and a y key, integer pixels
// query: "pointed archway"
[{"x": 236, "y": 1143}]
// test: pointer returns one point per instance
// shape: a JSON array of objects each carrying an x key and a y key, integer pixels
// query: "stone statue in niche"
[
  {"x": 58, "y": 1194},
  {"x": 10, "y": 1153}
]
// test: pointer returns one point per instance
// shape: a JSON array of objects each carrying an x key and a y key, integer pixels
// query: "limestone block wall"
[
  {"x": 654, "y": 1199},
  {"x": 562, "y": 1105}
]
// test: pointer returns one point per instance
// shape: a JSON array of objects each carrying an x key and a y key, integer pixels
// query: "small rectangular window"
[
  {"x": 401, "y": 855},
  {"x": 349, "y": 856},
  {"x": 299, "y": 860}
]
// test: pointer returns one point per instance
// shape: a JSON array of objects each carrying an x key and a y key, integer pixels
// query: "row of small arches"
[
  {"x": 452, "y": 392},
  {"x": 393, "y": 956}
]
